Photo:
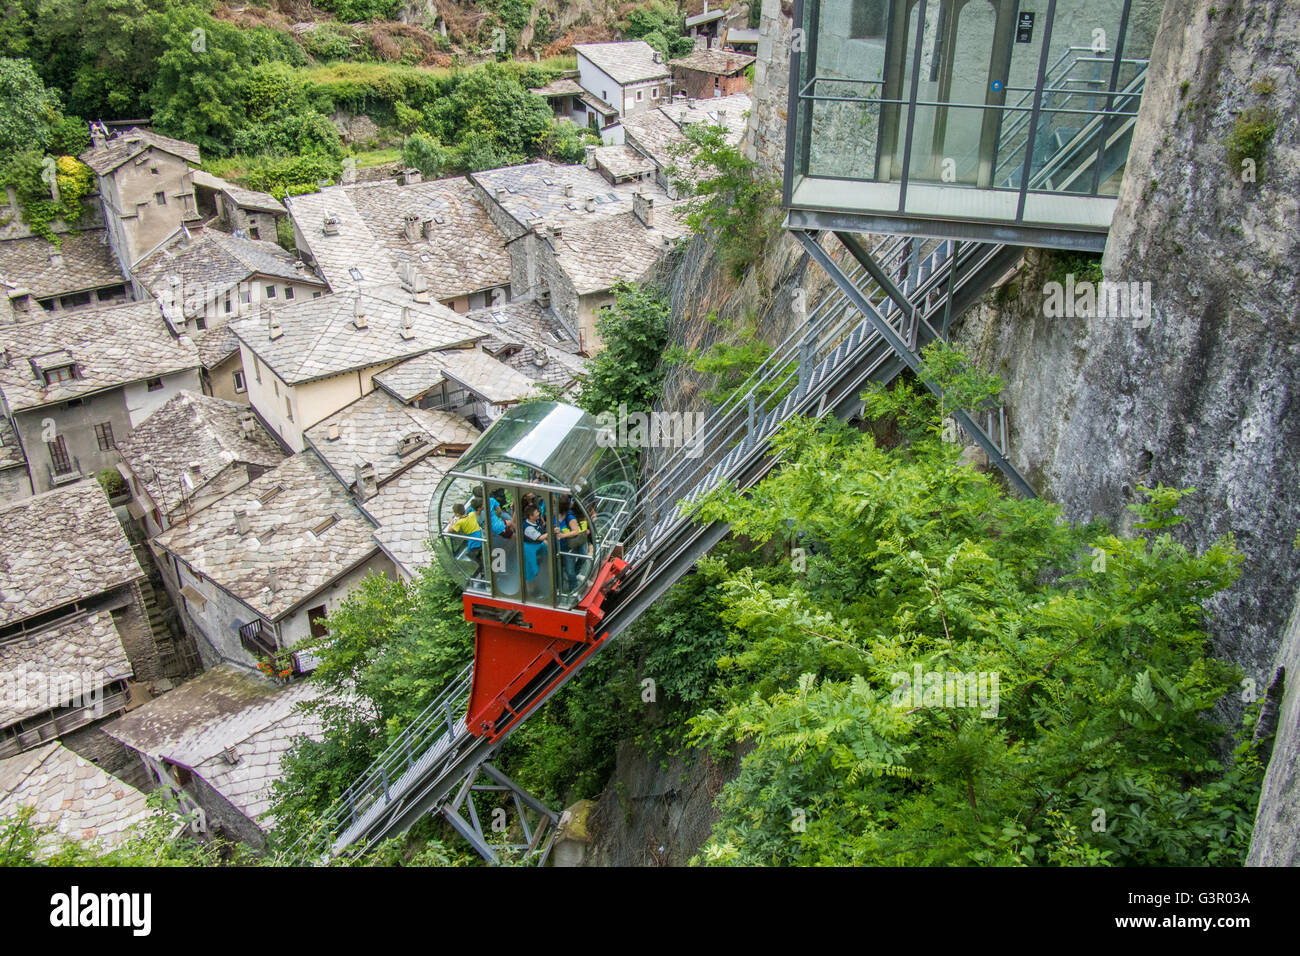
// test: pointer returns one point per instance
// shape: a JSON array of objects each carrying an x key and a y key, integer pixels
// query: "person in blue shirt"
[
  {"x": 534, "y": 541},
  {"x": 572, "y": 541}
]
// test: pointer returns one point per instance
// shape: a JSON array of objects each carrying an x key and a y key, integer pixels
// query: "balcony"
[
  {"x": 990, "y": 122},
  {"x": 65, "y": 472},
  {"x": 35, "y": 732},
  {"x": 257, "y": 640}
]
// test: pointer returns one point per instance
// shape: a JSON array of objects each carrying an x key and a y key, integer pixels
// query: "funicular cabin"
[{"x": 530, "y": 524}]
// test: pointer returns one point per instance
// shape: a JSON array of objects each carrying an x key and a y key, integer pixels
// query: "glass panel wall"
[{"x": 1011, "y": 96}]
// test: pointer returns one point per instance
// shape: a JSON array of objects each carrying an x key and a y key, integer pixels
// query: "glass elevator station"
[{"x": 991, "y": 120}]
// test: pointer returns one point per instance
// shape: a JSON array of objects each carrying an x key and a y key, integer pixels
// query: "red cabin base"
[{"x": 516, "y": 646}]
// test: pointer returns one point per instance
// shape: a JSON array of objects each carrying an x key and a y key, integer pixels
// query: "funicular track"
[{"x": 888, "y": 302}]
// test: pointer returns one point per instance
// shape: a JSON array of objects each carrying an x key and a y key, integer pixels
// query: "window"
[
  {"x": 288, "y": 408},
  {"x": 104, "y": 435},
  {"x": 253, "y": 233},
  {"x": 638, "y": 95},
  {"x": 228, "y": 304},
  {"x": 160, "y": 199},
  {"x": 239, "y": 381},
  {"x": 270, "y": 292},
  {"x": 654, "y": 93},
  {"x": 153, "y": 170},
  {"x": 316, "y": 621},
  {"x": 63, "y": 373},
  {"x": 257, "y": 370},
  {"x": 246, "y": 296},
  {"x": 288, "y": 292},
  {"x": 59, "y": 455},
  {"x": 201, "y": 322},
  {"x": 867, "y": 19},
  {"x": 275, "y": 384},
  {"x": 154, "y": 384},
  {"x": 315, "y": 295}
]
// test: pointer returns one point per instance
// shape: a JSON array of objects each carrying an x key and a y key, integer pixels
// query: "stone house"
[
  {"x": 309, "y": 359},
  {"x": 659, "y": 134},
  {"x": 38, "y": 277},
  {"x": 78, "y": 382},
  {"x": 190, "y": 452},
  {"x": 630, "y": 76},
  {"x": 217, "y": 741},
  {"x": 75, "y": 637},
  {"x": 255, "y": 572},
  {"x": 145, "y": 187},
  {"x": 435, "y": 238},
  {"x": 246, "y": 213},
  {"x": 706, "y": 74}
]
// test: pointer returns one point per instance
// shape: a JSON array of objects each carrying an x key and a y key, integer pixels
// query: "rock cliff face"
[{"x": 1207, "y": 394}]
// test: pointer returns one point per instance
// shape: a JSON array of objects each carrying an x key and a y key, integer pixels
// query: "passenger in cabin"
[
  {"x": 534, "y": 540},
  {"x": 572, "y": 541},
  {"x": 466, "y": 523}
]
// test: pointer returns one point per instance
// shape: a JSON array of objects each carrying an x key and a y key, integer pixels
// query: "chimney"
[
  {"x": 568, "y": 189},
  {"x": 273, "y": 580},
  {"x": 679, "y": 98},
  {"x": 502, "y": 192},
  {"x": 722, "y": 117},
  {"x": 247, "y": 425},
  {"x": 591, "y": 204},
  {"x": 98, "y": 137},
  {"x": 241, "y": 522},
  {"x": 557, "y": 231},
  {"x": 643, "y": 207},
  {"x": 274, "y": 330},
  {"x": 331, "y": 225},
  {"x": 359, "y": 314},
  {"x": 367, "y": 483},
  {"x": 408, "y": 323},
  {"x": 4, "y": 357},
  {"x": 590, "y": 156},
  {"x": 410, "y": 176},
  {"x": 426, "y": 228},
  {"x": 411, "y": 227},
  {"x": 658, "y": 57},
  {"x": 333, "y": 431},
  {"x": 544, "y": 297}
]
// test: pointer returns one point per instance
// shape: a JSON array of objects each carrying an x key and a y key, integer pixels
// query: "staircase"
[{"x": 890, "y": 300}]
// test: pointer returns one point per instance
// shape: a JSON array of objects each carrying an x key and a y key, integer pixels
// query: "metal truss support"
[
  {"x": 918, "y": 331},
  {"x": 537, "y": 830}
]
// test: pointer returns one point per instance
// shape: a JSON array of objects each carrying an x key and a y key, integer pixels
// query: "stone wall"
[{"x": 765, "y": 138}]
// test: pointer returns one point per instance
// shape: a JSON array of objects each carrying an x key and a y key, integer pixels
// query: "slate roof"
[
  {"x": 490, "y": 379},
  {"x": 79, "y": 654},
  {"x": 244, "y": 198},
  {"x": 224, "y": 713},
  {"x": 622, "y": 161},
  {"x": 465, "y": 251},
  {"x": 402, "y": 509},
  {"x": 131, "y": 143},
  {"x": 625, "y": 62},
  {"x": 371, "y": 430},
  {"x": 194, "y": 429},
  {"x": 63, "y": 546},
  {"x": 319, "y": 337},
  {"x": 85, "y": 261},
  {"x": 598, "y": 253},
  {"x": 531, "y": 340},
  {"x": 535, "y": 193},
  {"x": 111, "y": 346},
  {"x": 71, "y": 795},
  {"x": 720, "y": 62},
  {"x": 280, "y": 541},
  {"x": 353, "y": 257},
  {"x": 656, "y": 131},
  {"x": 216, "y": 345},
  {"x": 561, "y": 86},
  {"x": 210, "y": 263},
  {"x": 11, "y": 453}
]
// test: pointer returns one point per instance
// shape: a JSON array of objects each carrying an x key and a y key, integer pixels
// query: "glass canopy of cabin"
[
  {"x": 536, "y": 455},
  {"x": 1001, "y": 120}
]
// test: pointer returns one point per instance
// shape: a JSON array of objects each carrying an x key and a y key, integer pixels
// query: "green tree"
[
  {"x": 28, "y": 110},
  {"x": 627, "y": 369},
  {"x": 1096, "y": 745}
]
